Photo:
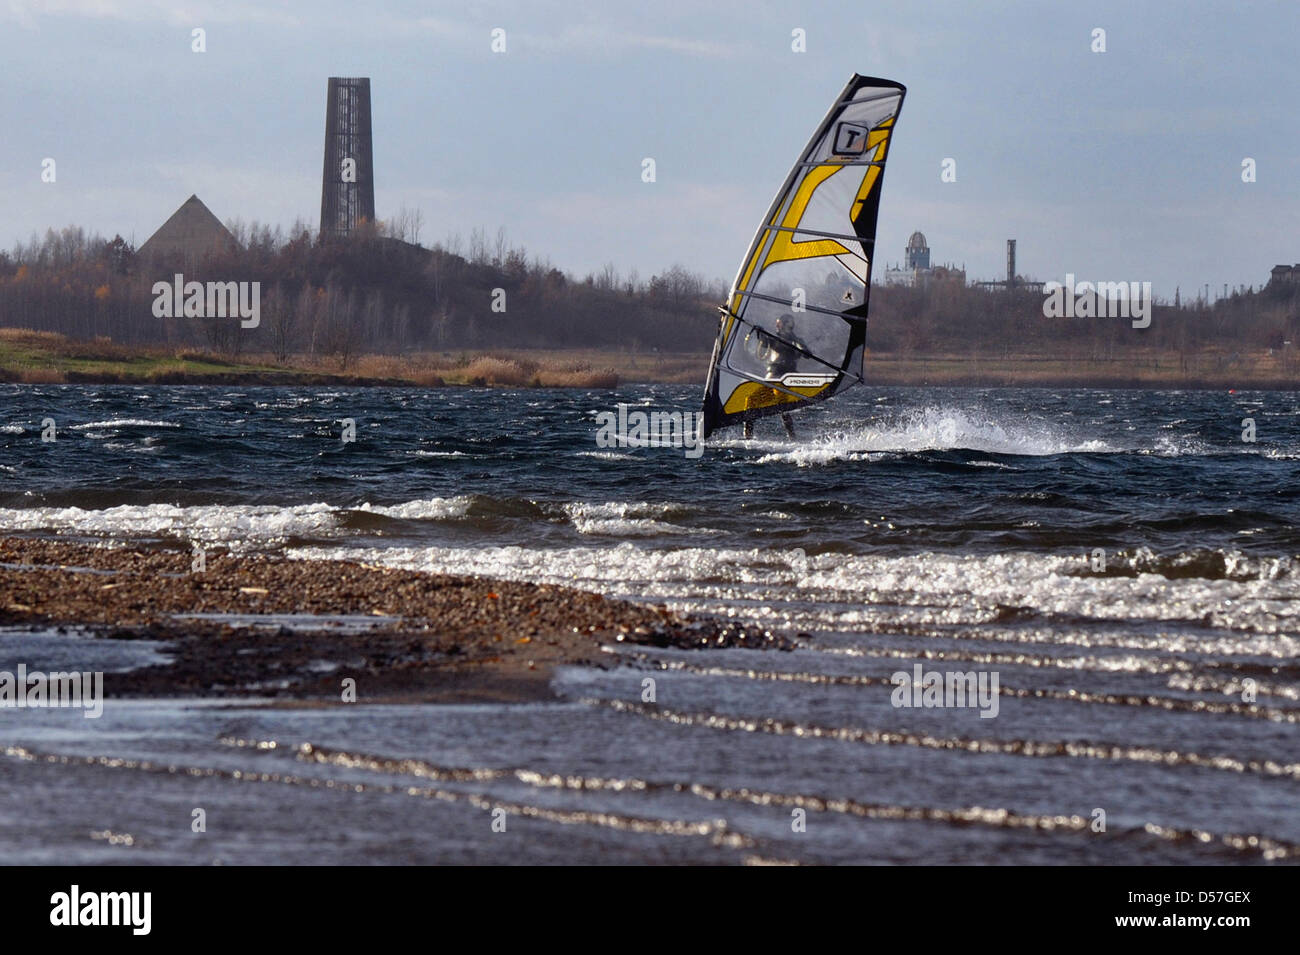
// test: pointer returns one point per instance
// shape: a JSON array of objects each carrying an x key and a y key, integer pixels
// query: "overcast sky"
[{"x": 1117, "y": 165}]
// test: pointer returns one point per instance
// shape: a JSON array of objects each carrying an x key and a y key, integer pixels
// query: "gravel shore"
[{"x": 407, "y": 635}]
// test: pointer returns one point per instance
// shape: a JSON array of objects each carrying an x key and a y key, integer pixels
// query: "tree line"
[
  {"x": 374, "y": 291},
  {"x": 380, "y": 292},
  {"x": 1000, "y": 323}
]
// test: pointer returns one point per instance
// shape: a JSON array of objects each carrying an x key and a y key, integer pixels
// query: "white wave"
[
  {"x": 143, "y": 448},
  {"x": 123, "y": 423},
  {"x": 238, "y": 526},
  {"x": 936, "y": 429},
  {"x": 586, "y": 510},
  {"x": 1176, "y": 446},
  {"x": 620, "y": 527},
  {"x": 865, "y": 593},
  {"x": 625, "y": 519},
  {"x": 606, "y": 455},
  {"x": 12, "y": 429},
  {"x": 430, "y": 509}
]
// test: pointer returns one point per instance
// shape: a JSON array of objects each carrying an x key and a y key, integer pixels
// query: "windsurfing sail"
[{"x": 794, "y": 327}]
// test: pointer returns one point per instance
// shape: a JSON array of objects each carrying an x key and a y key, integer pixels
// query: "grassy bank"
[{"x": 47, "y": 358}]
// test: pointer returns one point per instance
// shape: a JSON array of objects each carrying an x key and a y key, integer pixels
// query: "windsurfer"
[
  {"x": 780, "y": 350},
  {"x": 815, "y": 239}
]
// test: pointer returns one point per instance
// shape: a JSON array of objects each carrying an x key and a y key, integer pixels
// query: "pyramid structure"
[{"x": 192, "y": 231}]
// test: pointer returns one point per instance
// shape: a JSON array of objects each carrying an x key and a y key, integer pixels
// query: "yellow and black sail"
[{"x": 794, "y": 327}]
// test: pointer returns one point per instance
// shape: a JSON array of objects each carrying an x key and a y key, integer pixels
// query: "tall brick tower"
[{"x": 347, "y": 195}]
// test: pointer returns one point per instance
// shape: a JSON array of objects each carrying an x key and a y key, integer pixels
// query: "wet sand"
[{"x": 407, "y": 635}]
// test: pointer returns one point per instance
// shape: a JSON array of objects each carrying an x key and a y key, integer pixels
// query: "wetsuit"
[{"x": 782, "y": 360}]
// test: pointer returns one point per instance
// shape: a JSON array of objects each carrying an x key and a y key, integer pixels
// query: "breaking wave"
[
  {"x": 123, "y": 423},
  {"x": 939, "y": 429}
]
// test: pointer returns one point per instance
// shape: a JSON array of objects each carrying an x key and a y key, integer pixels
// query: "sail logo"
[
  {"x": 182, "y": 299},
  {"x": 947, "y": 690},
  {"x": 1098, "y": 300},
  {"x": 653, "y": 429},
  {"x": 851, "y": 139},
  {"x": 806, "y": 381}
]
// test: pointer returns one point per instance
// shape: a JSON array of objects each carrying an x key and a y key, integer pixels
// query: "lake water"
[{"x": 1122, "y": 562}]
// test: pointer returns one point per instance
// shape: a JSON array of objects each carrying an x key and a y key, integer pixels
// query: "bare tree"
[
  {"x": 282, "y": 320},
  {"x": 478, "y": 247},
  {"x": 406, "y": 225},
  {"x": 607, "y": 280},
  {"x": 500, "y": 247},
  {"x": 415, "y": 225}
]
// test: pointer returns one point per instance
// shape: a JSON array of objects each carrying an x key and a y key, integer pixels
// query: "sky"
[{"x": 1116, "y": 165}]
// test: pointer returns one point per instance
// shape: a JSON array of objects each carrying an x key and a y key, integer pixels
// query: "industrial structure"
[
  {"x": 348, "y": 180},
  {"x": 1013, "y": 280}
]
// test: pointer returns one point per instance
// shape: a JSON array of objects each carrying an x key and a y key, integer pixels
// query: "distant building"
[
  {"x": 918, "y": 252},
  {"x": 347, "y": 195},
  {"x": 916, "y": 269},
  {"x": 1014, "y": 280},
  {"x": 191, "y": 234},
  {"x": 1284, "y": 274}
]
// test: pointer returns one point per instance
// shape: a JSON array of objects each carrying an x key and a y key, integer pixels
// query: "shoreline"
[
  {"x": 39, "y": 358},
  {"x": 436, "y": 638},
  {"x": 916, "y": 373}
]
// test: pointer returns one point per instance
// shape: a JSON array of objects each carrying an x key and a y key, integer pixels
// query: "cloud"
[
  {"x": 28, "y": 13},
  {"x": 594, "y": 38},
  {"x": 585, "y": 38},
  {"x": 655, "y": 202}
]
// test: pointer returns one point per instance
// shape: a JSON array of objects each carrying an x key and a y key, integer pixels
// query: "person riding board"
[{"x": 781, "y": 351}]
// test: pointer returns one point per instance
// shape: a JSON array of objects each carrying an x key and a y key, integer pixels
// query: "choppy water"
[{"x": 952, "y": 528}]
